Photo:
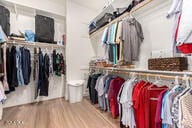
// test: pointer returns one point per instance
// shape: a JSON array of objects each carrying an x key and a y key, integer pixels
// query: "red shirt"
[
  {"x": 139, "y": 106},
  {"x": 158, "y": 120},
  {"x": 114, "y": 89},
  {"x": 150, "y": 105},
  {"x": 135, "y": 98}
]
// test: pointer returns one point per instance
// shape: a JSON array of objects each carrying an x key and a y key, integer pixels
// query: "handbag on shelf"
[
  {"x": 104, "y": 20},
  {"x": 44, "y": 29},
  {"x": 5, "y": 20}
]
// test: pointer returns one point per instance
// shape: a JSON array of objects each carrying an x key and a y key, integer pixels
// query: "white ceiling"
[
  {"x": 92, "y": 4},
  {"x": 98, "y": 5}
]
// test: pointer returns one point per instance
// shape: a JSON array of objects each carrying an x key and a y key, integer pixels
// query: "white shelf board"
[
  {"x": 29, "y": 10},
  {"x": 145, "y": 71}
]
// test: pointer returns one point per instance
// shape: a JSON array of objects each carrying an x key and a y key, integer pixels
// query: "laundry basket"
[{"x": 76, "y": 91}]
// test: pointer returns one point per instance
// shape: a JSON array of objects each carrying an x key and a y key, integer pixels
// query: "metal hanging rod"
[
  {"x": 35, "y": 44},
  {"x": 151, "y": 73},
  {"x": 137, "y": 7}
]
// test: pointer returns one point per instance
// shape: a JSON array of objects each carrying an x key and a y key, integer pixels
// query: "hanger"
[
  {"x": 184, "y": 79},
  {"x": 177, "y": 80},
  {"x": 107, "y": 72},
  {"x": 47, "y": 51},
  {"x": 139, "y": 76},
  {"x": 158, "y": 80},
  {"x": 130, "y": 15},
  {"x": 187, "y": 82},
  {"x": 153, "y": 84},
  {"x": 147, "y": 77}
]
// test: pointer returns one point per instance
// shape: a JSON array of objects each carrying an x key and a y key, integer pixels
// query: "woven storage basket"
[{"x": 168, "y": 64}]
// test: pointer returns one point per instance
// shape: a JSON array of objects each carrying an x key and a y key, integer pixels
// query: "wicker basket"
[
  {"x": 168, "y": 64},
  {"x": 101, "y": 63}
]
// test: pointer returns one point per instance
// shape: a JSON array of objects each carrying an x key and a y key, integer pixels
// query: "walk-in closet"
[{"x": 95, "y": 64}]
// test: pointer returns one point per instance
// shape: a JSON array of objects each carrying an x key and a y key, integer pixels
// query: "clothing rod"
[
  {"x": 137, "y": 7},
  {"x": 148, "y": 75},
  {"x": 170, "y": 73},
  {"x": 161, "y": 76},
  {"x": 35, "y": 44}
]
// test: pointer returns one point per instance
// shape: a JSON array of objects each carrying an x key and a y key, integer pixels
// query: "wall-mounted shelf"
[
  {"x": 137, "y": 7},
  {"x": 173, "y": 73},
  {"x": 39, "y": 44},
  {"x": 31, "y": 11}
]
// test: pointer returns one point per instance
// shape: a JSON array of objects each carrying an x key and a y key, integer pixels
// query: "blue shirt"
[{"x": 163, "y": 107}]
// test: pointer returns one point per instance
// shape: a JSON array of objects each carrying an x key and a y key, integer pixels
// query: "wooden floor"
[{"x": 57, "y": 114}]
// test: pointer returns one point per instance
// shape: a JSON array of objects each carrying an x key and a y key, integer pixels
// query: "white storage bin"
[{"x": 75, "y": 91}]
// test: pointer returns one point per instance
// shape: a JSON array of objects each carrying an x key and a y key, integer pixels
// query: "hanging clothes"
[
  {"x": 158, "y": 120},
  {"x": 1, "y": 61},
  {"x": 50, "y": 63},
  {"x": 9, "y": 68},
  {"x": 119, "y": 42},
  {"x": 54, "y": 60},
  {"x": 40, "y": 72},
  {"x": 125, "y": 100},
  {"x": 100, "y": 85},
  {"x": 91, "y": 85},
  {"x": 138, "y": 103},
  {"x": 19, "y": 66},
  {"x": 35, "y": 64},
  {"x": 186, "y": 104},
  {"x": 44, "y": 89},
  {"x": 62, "y": 64},
  {"x": 2, "y": 99},
  {"x": 5, "y": 83},
  {"x": 2, "y": 93},
  {"x": 14, "y": 80},
  {"x": 132, "y": 36},
  {"x": 36, "y": 71},
  {"x": 1, "y": 111},
  {"x": 58, "y": 65},
  {"x": 106, "y": 90},
  {"x": 26, "y": 64},
  {"x": 151, "y": 97},
  {"x": 182, "y": 26},
  {"x": 114, "y": 88}
]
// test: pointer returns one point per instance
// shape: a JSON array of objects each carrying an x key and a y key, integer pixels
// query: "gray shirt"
[{"x": 132, "y": 36}]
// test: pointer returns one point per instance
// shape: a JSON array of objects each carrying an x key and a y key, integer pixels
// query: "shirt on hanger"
[
  {"x": 186, "y": 105},
  {"x": 132, "y": 36},
  {"x": 139, "y": 106},
  {"x": 128, "y": 117},
  {"x": 114, "y": 88},
  {"x": 158, "y": 120}
]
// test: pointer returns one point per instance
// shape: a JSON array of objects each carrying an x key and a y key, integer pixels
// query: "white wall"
[
  {"x": 157, "y": 31},
  {"x": 78, "y": 49},
  {"x": 23, "y": 16},
  {"x": 25, "y": 20},
  {"x": 53, "y": 6}
]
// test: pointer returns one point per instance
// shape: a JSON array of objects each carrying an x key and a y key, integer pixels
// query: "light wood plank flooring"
[{"x": 58, "y": 114}]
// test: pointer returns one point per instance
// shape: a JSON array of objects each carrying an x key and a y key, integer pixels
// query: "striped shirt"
[{"x": 186, "y": 108}]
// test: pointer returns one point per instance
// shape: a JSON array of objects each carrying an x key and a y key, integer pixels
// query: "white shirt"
[
  {"x": 1, "y": 111},
  {"x": 185, "y": 26},
  {"x": 183, "y": 7},
  {"x": 128, "y": 117},
  {"x": 2, "y": 93}
]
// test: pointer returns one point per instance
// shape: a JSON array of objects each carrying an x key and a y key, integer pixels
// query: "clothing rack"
[
  {"x": 34, "y": 44},
  {"x": 137, "y": 7},
  {"x": 146, "y": 73}
]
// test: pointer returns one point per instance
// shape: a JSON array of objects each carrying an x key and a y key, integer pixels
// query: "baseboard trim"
[{"x": 35, "y": 102}]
